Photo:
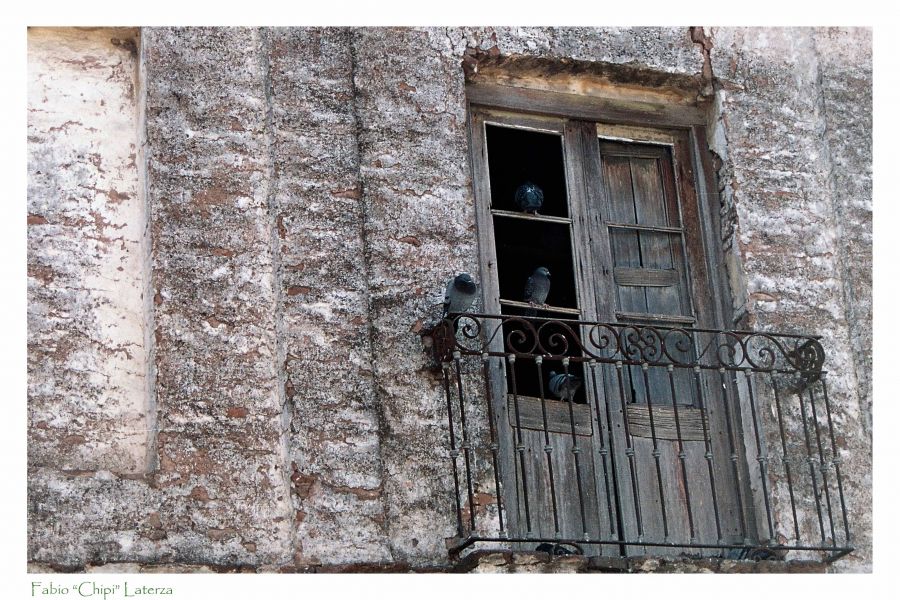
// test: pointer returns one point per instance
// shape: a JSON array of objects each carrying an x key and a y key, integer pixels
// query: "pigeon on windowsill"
[
  {"x": 537, "y": 288},
  {"x": 529, "y": 198},
  {"x": 564, "y": 386}
]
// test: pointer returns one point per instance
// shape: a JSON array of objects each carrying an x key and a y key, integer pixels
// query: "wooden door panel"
[
  {"x": 649, "y": 198},
  {"x": 617, "y": 177},
  {"x": 541, "y": 496},
  {"x": 662, "y": 492}
]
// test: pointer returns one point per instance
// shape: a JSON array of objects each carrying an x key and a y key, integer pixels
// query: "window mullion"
[{"x": 594, "y": 208}]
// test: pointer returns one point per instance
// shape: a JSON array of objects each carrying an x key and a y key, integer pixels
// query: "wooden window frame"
[
  {"x": 582, "y": 120},
  {"x": 683, "y": 127}
]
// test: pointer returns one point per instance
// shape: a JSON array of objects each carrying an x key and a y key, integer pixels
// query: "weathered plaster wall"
[
  {"x": 222, "y": 463},
  {"x": 310, "y": 194},
  {"x": 845, "y": 105},
  {"x": 220, "y": 490},
  {"x": 335, "y": 430},
  {"x": 801, "y": 241},
  {"x": 88, "y": 380}
]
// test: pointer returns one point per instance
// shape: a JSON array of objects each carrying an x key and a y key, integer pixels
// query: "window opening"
[{"x": 527, "y": 240}]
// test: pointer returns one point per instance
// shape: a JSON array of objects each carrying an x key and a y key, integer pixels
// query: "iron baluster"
[
  {"x": 548, "y": 449},
  {"x": 708, "y": 455},
  {"x": 520, "y": 444},
  {"x": 466, "y": 447},
  {"x": 629, "y": 452},
  {"x": 575, "y": 449},
  {"x": 732, "y": 448},
  {"x": 656, "y": 453},
  {"x": 822, "y": 464},
  {"x": 454, "y": 453},
  {"x": 786, "y": 458},
  {"x": 611, "y": 452},
  {"x": 682, "y": 457},
  {"x": 493, "y": 433},
  {"x": 760, "y": 458},
  {"x": 810, "y": 461},
  {"x": 836, "y": 460}
]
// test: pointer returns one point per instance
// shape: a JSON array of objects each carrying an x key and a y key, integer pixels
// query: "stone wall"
[
  {"x": 307, "y": 193},
  {"x": 801, "y": 243}
]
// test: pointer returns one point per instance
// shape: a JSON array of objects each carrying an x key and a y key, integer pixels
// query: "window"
[{"x": 627, "y": 239}]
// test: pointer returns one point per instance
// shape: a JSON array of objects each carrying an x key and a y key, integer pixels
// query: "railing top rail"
[{"x": 628, "y": 343}]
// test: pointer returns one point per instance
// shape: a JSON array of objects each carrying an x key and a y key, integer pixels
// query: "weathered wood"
[
  {"x": 649, "y": 198},
  {"x": 596, "y": 212},
  {"x": 625, "y": 112},
  {"x": 637, "y": 227},
  {"x": 533, "y": 473},
  {"x": 625, "y": 245},
  {"x": 565, "y": 486},
  {"x": 529, "y": 217},
  {"x": 559, "y": 309},
  {"x": 655, "y": 318},
  {"x": 558, "y": 421},
  {"x": 634, "y": 261},
  {"x": 490, "y": 295},
  {"x": 626, "y": 133},
  {"x": 539, "y": 123},
  {"x": 646, "y": 277},
  {"x": 690, "y": 419}
]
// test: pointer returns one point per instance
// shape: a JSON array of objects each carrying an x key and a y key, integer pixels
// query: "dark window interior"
[
  {"x": 523, "y": 244},
  {"x": 522, "y": 247},
  {"x": 550, "y": 334},
  {"x": 516, "y": 156}
]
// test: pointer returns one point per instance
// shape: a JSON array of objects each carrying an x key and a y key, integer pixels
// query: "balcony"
[{"x": 617, "y": 439}]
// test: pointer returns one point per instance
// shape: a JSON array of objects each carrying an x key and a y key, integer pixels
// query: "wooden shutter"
[{"x": 646, "y": 240}]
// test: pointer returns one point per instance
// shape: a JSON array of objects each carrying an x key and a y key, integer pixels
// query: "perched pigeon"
[
  {"x": 536, "y": 289},
  {"x": 558, "y": 549},
  {"x": 756, "y": 554},
  {"x": 564, "y": 386},
  {"x": 460, "y": 294},
  {"x": 529, "y": 197}
]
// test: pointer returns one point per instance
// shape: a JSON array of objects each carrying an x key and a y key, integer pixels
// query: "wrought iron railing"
[{"x": 661, "y": 440}]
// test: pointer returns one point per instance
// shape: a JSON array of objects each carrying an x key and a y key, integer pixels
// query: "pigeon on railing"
[
  {"x": 564, "y": 386},
  {"x": 529, "y": 197},
  {"x": 537, "y": 288},
  {"x": 460, "y": 294}
]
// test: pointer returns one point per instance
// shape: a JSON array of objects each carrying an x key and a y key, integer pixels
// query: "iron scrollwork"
[{"x": 628, "y": 343}]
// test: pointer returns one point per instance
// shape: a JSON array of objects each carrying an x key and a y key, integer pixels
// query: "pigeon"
[
  {"x": 529, "y": 197},
  {"x": 460, "y": 294},
  {"x": 757, "y": 554},
  {"x": 558, "y": 549},
  {"x": 564, "y": 386},
  {"x": 536, "y": 289}
]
